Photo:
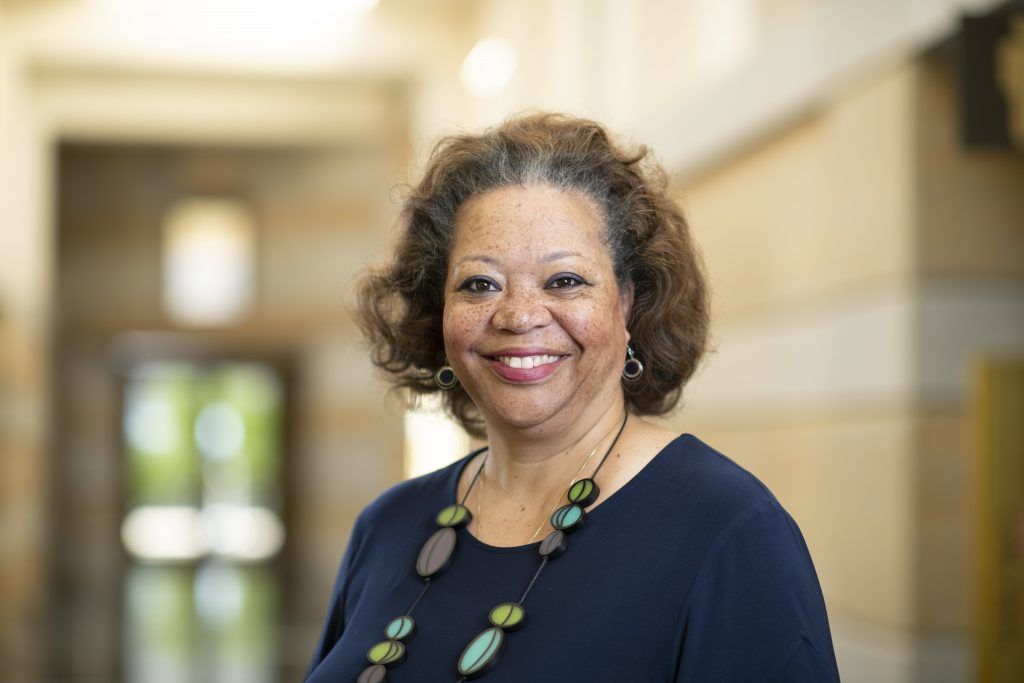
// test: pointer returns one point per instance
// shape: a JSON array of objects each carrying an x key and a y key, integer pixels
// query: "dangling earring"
[
  {"x": 633, "y": 367},
  {"x": 445, "y": 377}
]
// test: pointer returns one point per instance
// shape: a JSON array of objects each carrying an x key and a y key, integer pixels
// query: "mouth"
[
  {"x": 524, "y": 367},
  {"x": 526, "y": 362}
]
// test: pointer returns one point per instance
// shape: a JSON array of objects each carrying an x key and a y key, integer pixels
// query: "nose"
[{"x": 521, "y": 311}]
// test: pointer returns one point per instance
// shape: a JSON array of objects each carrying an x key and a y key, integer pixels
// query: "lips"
[{"x": 523, "y": 366}]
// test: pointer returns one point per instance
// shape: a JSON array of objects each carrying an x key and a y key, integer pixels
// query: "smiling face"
[{"x": 534, "y": 320}]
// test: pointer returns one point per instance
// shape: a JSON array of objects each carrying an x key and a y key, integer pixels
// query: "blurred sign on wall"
[
  {"x": 999, "y": 520},
  {"x": 992, "y": 79}
]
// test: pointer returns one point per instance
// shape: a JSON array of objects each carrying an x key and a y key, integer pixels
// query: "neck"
[{"x": 528, "y": 462}]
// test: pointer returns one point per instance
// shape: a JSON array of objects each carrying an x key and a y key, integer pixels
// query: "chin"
[{"x": 523, "y": 416}]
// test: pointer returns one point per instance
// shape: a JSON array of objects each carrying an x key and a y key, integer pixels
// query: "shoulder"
[
  {"x": 755, "y": 593},
  {"x": 718, "y": 519},
  {"x": 734, "y": 514},
  {"x": 712, "y": 489}
]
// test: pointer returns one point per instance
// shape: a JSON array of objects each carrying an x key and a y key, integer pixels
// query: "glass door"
[{"x": 202, "y": 522}]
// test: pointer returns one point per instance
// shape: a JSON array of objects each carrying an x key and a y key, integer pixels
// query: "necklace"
[
  {"x": 480, "y": 495},
  {"x": 482, "y": 652}
]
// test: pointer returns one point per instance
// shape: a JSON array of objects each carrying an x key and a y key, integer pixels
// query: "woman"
[{"x": 546, "y": 283}]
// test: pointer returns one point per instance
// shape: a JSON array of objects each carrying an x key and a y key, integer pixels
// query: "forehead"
[{"x": 524, "y": 220}]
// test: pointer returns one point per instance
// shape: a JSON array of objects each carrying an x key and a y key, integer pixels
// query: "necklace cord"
[
  {"x": 614, "y": 441},
  {"x": 475, "y": 476},
  {"x": 533, "y": 580},
  {"x": 426, "y": 585}
]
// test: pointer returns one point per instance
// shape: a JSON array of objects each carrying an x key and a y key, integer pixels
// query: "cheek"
[
  {"x": 461, "y": 326},
  {"x": 602, "y": 319}
]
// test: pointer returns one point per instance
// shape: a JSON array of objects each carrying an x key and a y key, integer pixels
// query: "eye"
[
  {"x": 565, "y": 281},
  {"x": 478, "y": 285}
]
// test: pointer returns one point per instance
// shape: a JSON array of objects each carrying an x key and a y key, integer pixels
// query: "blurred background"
[{"x": 188, "y": 425}]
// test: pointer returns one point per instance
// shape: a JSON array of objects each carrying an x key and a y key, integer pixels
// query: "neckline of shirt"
[{"x": 451, "y": 490}]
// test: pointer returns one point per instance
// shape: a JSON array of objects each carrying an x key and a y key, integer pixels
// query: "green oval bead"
[
  {"x": 399, "y": 628},
  {"x": 454, "y": 516},
  {"x": 583, "y": 492},
  {"x": 508, "y": 615},
  {"x": 568, "y": 518},
  {"x": 482, "y": 652},
  {"x": 386, "y": 652}
]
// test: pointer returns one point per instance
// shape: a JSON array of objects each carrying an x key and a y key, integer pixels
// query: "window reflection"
[
  {"x": 213, "y": 622},
  {"x": 202, "y": 521}
]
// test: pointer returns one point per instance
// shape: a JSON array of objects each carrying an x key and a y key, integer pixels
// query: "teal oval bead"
[
  {"x": 482, "y": 652},
  {"x": 399, "y": 628},
  {"x": 568, "y": 518}
]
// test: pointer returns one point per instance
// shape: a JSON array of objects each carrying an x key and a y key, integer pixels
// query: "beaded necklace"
[
  {"x": 480, "y": 497},
  {"x": 482, "y": 652}
]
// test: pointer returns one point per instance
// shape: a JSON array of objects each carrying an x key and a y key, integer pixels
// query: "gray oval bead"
[
  {"x": 553, "y": 545},
  {"x": 436, "y": 553},
  {"x": 376, "y": 673}
]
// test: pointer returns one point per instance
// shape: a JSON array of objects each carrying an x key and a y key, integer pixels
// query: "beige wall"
[
  {"x": 24, "y": 376},
  {"x": 859, "y": 259}
]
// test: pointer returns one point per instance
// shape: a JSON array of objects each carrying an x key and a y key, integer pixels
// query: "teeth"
[{"x": 527, "y": 361}]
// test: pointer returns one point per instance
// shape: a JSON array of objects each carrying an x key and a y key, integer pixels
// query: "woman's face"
[{"x": 534, "y": 320}]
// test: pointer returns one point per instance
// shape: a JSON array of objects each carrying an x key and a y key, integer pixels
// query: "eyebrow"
[
  {"x": 479, "y": 257},
  {"x": 553, "y": 256},
  {"x": 559, "y": 255}
]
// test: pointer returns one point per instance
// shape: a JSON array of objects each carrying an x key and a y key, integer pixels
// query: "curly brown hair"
[{"x": 402, "y": 303}]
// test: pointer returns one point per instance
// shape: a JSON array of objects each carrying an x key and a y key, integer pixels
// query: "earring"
[
  {"x": 445, "y": 377},
  {"x": 633, "y": 367}
]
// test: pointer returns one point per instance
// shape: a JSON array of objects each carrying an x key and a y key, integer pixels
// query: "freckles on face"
[{"x": 533, "y": 313}]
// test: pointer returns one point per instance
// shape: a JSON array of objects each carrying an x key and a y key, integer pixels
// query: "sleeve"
[
  {"x": 335, "y": 623},
  {"x": 755, "y": 611}
]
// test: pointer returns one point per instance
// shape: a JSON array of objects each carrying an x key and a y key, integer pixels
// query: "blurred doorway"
[
  {"x": 183, "y": 503},
  {"x": 203, "y": 521},
  {"x": 111, "y": 152}
]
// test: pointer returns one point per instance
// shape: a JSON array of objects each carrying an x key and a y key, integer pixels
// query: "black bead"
[{"x": 554, "y": 544}]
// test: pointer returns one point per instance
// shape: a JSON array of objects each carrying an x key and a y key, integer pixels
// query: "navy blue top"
[{"x": 691, "y": 572}]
